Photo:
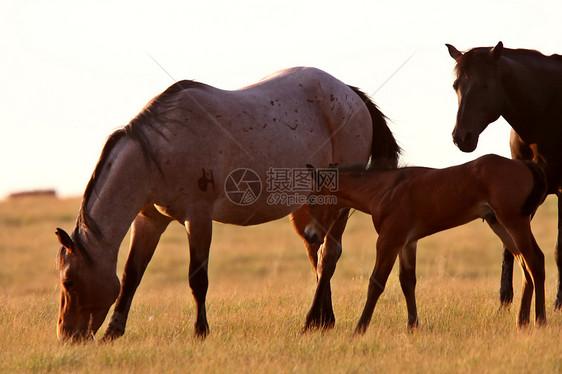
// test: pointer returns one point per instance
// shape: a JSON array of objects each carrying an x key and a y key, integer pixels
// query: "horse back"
[{"x": 520, "y": 185}]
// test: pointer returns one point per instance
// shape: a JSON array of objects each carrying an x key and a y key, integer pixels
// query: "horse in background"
[
  {"x": 197, "y": 154},
  {"x": 410, "y": 203},
  {"x": 524, "y": 87}
]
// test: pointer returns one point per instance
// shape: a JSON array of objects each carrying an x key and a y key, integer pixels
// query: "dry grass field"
[{"x": 261, "y": 286}]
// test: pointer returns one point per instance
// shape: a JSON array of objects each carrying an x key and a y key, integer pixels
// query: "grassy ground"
[{"x": 261, "y": 286}]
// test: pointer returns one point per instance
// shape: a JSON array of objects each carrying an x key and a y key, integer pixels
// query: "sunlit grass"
[{"x": 261, "y": 287}]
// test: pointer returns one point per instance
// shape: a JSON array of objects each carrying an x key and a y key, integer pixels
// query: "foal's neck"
[{"x": 358, "y": 190}]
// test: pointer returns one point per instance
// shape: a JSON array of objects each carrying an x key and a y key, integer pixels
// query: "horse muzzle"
[
  {"x": 66, "y": 335},
  {"x": 312, "y": 235},
  {"x": 466, "y": 142},
  {"x": 81, "y": 333}
]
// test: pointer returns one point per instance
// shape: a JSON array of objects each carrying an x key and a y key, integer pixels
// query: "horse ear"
[
  {"x": 65, "y": 240},
  {"x": 455, "y": 53},
  {"x": 497, "y": 51}
]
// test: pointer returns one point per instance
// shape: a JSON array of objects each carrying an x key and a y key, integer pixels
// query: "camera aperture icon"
[{"x": 242, "y": 186}]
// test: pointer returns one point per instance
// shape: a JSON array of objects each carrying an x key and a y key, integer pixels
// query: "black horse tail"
[
  {"x": 385, "y": 151},
  {"x": 539, "y": 192}
]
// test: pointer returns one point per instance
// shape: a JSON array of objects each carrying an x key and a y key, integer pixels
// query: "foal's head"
[
  {"x": 479, "y": 93},
  {"x": 322, "y": 215},
  {"x": 88, "y": 289}
]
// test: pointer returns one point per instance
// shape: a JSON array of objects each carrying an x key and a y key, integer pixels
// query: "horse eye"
[{"x": 68, "y": 284}]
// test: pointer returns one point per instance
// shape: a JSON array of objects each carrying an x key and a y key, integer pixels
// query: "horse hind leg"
[
  {"x": 527, "y": 285},
  {"x": 518, "y": 238},
  {"x": 407, "y": 257},
  {"x": 146, "y": 230},
  {"x": 506, "y": 282},
  {"x": 532, "y": 262},
  {"x": 199, "y": 231},
  {"x": 558, "y": 255}
]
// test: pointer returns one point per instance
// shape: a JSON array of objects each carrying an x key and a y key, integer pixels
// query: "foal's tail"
[
  {"x": 384, "y": 148},
  {"x": 538, "y": 194}
]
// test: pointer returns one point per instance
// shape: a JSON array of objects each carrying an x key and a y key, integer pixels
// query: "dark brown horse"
[
  {"x": 410, "y": 203},
  {"x": 524, "y": 87}
]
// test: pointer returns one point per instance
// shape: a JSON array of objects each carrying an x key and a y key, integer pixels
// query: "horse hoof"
[
  {"x": 111, "y": 334},
  {"x": 413, "y": 326},
  {"x": 309, "y": 326},
  {"x": 506, "y": 300},
  {"x": 358, "y": 332},
  {"x": 201, "y": 331}
]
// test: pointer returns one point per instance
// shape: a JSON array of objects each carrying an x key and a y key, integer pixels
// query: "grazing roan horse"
[
  {"x": 410, "y": 203},
  {"x": 524, "y": 87},
  {"x": 196, "y": 154}
]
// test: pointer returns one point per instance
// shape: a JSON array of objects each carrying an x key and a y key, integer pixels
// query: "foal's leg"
[
  {"x": 534, "y": 264},
  {"x": 145, "y": 234},
  {"x": 558, "y": 255},
  {"x": 199, "y": 232},
  {"x": 527, "y": 285},
  {"x": 407, "y": 258},
  {"x": 387, "y": 250},
  {"x": 526, "y": 294},
  {"x": 519, "y": 238},
  {"x": 532, "y": 261},
  {"x": 329, "y": 255}
]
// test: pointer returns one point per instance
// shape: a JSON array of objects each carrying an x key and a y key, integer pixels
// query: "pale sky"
[{"x": 71, "y": 74}]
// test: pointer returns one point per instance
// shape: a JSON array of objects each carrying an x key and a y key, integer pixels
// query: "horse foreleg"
[
  {"x": 146, "y": 230},
  {"x": 407, "y": 258},
  {"x": 506, "y": 283},
  {"x": 199, "y": 233},
  {"x": 387, "y": 250},
  {"x": 558, "y": 255},
  {"x": 321, "y": 313}
]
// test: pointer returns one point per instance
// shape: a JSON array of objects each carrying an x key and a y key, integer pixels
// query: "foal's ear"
[
  {"x": 497, "y": 51},
  {"x": 64, "y": 240},
  {"x": 455, "y": 53}
]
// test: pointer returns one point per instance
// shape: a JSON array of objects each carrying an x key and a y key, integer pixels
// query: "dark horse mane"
[
  {"x": 385, "y": 151},
  {"x": 148, "y": 118},
  {"x": 482, "y": 55}
]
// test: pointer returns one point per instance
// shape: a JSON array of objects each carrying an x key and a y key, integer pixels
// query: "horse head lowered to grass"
[
  {"x": 410, "y": 203},
  {"x": 196, "y": 154}
]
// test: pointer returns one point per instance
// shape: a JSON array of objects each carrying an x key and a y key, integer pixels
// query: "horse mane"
[
  {"x": 482, "y": 54},
  {"x": 148, "y": 118},
  {"x": 385, "y": 151}
]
